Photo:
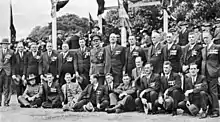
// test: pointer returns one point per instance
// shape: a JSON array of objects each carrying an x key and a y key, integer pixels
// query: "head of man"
[
  {"x": 94, "y": 79},
  {"x": 65, "y": 47},
  {"x": 207, "y": 37},
  {"x": 155, "y": 37},
  {"x": 132, "y": 40},
  {"x": 193, "y": 69},
  {"x": 20, "y": 47},
  {"x": 109, "y": 78},
  {"x": 96, "y": 40},
  {"x": 32, "y": 79},
  {"x": 49, "y": 46},
  {"x": 68, "y": 77},
  {"x": 138, "y": 62},
  {"x": 49, "y": 77},
  {"x": 167, "y": 68},
  {"x": 34, "y": 47},
  {"x": 5, "y": 43},
  {"x": 126, "y": 79},
  {"x": 113, "y": 38},
  {"x": 82, "y": 43},
  {"x": 191, "y": 38},
  {"x": 169, "y": 38},
  {"x": 148, "y": 68}
]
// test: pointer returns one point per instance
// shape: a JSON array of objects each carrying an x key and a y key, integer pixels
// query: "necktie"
[
  {"x": 109, "y": 87},
  {"x": 21, "y": 54},
  {"x": 49, "y": 54},
  {"x": 49, "y": 84}
]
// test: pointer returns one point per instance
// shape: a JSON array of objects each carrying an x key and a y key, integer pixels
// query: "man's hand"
[
  {"x": 142, "y": 94},
  {"x": 188, "y": 92},
  {"x": 122, "y": 95},
  {"x": 219, "y": 81},
  {"x": 77, "y": 74},
  {"x": 187, "y": 103},
  {"x": 165, "y": 93},
  {"x": 14, "y": 77},
  {"x": 185, "y": 67},
  {"x": 160, "y": 100},
  {"x": 23, "y": 77},
  {"x": 144, "y": 101}
]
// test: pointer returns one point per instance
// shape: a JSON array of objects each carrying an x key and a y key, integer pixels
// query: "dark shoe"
[
  {"x": 214, "y": 115},
  {"x": 174, "y": 113},
  {"x": 109, "y": 110},
  {"x": 203, "y": 115},
  {"x": 34, "y": 106}
]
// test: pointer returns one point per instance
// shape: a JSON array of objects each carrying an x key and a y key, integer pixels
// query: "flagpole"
[
  {"x": 54, "y": 26},
  {"x": 9, "y": 37},
  {"x": 100, "y": 23}
]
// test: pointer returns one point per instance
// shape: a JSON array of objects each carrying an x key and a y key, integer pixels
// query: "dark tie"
[{"x": 109, "y": 87}]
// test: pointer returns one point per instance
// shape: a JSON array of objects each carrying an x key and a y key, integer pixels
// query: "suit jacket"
[
  {"x": 152, "y": 84},
  {"x": 173, "y": 55},
  {"x": 211, "y": 61},
  {"x": 130, "y": 58},
  {"x": 193, "y": 55},
  {"x": 135, "y": 73},
  {"x": 114, "y": 60},
  {"x": 172, "y": 83},
  {"x": 49, "y": 94},
  {"x": 199, "y": 85},
  {"x": 6, "y": 61},
  {"x": 112, "y": 89},
  {"x": 18, "y": 68},
  {"x": 101, "y": 93},
  {"x": 67, "y": 63},
  {"x": 154, "y": 57},
  {"x": 130, "y": 90},
  {"x": 183, "y": 38},
  {"x": 48, "y": 63},
  {"x": 97, "y": 61},
  {"x": 82, "y": 60},
  {"x": 32, "y": 64}
]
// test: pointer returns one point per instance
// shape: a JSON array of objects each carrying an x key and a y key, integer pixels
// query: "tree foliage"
[{"x": 69, "y": 23}]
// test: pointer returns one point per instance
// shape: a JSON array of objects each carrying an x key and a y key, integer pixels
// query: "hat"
[
  {"x": 88, "y": 107},
  {"x": 31, "y": 77},
  {"x": 5, "y": 41},
  {"x": 194, "y": 110},
  {"x": 95, "y": 37}
]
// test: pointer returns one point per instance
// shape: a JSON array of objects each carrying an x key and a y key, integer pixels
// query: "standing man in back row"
[
  {"x": 211, "y": 69},
  {"x": 114, "y": 57}
]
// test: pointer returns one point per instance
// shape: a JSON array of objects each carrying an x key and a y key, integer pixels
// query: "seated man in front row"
[
  {"x": 170, "y": 93},
  {"x": 52, "y": 94},
  {"x": 123, "y": 95},
  {"x": 149, "y": 89},
  {"x": 195, "y": 92},
  {"x": 94, "y": 94}
]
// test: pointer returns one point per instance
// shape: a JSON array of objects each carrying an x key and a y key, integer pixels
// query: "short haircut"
[
  {"x": 167, "y": 63},
  {"x": 126, "y": 75},
  {"x": 139, "y": 57},
  {"x": 49, "y": 74},
  {"x": 108, "y": 74},
  {"x": 208, "y": 33},
  {"x": 95, "y": 76},
  {"x": 151, "y": 65},
  {"x": 191, "y": 64},
  {"x": 67, "y": 74},
  {"x": 191, "y": 33}
]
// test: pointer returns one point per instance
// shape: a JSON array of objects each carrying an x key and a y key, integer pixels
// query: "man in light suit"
[
  {"x": 18, "y": 68},
  {"x": 66, "y": 63},
  {"x": 114, "y": 57},
  {"x": 136, "y": 72},
  {"x": 211, "y": 69},
  {"x": 49, "y": 61},
  {"x": 131, "y": 53},
  {"x": 6, "y": 56},
  {"x": 83, "y": 62}
]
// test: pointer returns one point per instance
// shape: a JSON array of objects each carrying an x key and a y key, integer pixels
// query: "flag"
[
  {"x": 101, "y": 6},
  {"x": 91, "y": 23},
  {"x": 12, "y": 27},
  {"x": 61, "y": 4}
]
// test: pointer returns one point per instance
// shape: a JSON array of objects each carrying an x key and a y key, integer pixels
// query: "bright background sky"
[{"x": 31, "y": 13}]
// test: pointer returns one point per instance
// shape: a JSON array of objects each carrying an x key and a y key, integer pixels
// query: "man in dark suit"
[
  {"x": 211, "y": 69},
  {"x": 154, "y": 53},
  {"x": 124, "y": 95},
  {"x": 191, "y": 54},
  {"x": 66, "y": 63},
  {"x": 183, "y": 35},
  {"x": 49, "y": 61},
  {"x": 172, "y": 52},
  {"x": 97, "y": 59},
  {"x": 195, "y": 88},
  {"x": 6, "y": 58},
  {"x": 52, "y": 94},
  {"x": 95, "y": 93},
  {"x": 18, "y": 68},
  {"x": 149, "y": 88},
  {"x": 170, "y": 89},
  {"x": 114, "y": 57},
  {"x": 83, "y": 62},
  {"x": 32, "y": 62},
  {"x": 130, "y": 54}
]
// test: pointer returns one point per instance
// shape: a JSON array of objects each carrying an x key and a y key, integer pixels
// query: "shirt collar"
[{"x": 209, "y": 45}]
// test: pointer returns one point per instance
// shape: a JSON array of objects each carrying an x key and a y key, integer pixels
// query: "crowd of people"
[{"x": 179, "y": 70}]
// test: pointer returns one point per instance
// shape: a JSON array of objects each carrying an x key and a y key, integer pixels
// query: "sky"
[{"x": 30, "y": 13}]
